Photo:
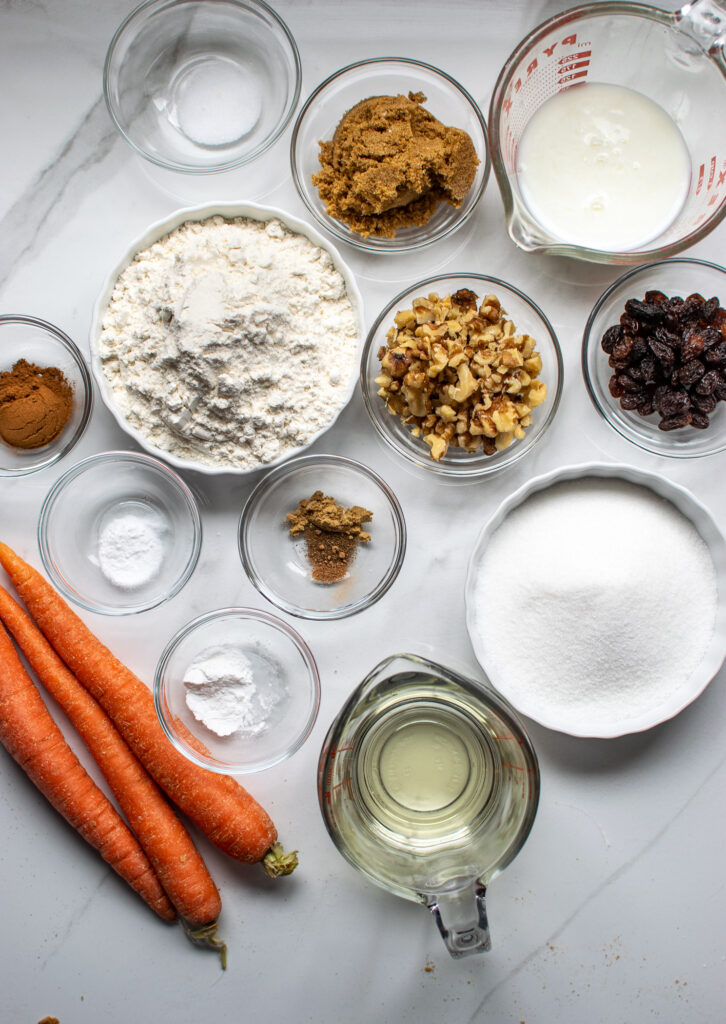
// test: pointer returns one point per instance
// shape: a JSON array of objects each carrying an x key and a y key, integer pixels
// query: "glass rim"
[
  {"x": 463, "y": 470},
  {"x": 247, "y": 613},
  {"x": 87, "y": 389},
  {"x": 228, "y": 165},
  {"x": 329, "y": 223},
  {"x": 257, "y": 495},
  {"x": 112, "y": 457},
  {"x": 588, "y": 346},
  {"x": 555, "y": 248}
]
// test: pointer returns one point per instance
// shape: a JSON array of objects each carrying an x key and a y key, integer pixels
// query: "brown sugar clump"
[
  {"x": 331, "y": 532},
  {"x": 35, "y": 404},
  {"x": 390, "y": 163}
]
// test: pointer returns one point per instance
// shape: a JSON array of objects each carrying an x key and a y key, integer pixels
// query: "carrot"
[
  {"x": 229, "y": 816},
  {"x": 168, "y": 845},
  {"x": 31, "y": 737}
]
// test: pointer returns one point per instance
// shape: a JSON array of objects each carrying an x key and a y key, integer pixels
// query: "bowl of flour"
[
  {"x": 596, "y": 599},
  {"x": 227, "y": 338}
]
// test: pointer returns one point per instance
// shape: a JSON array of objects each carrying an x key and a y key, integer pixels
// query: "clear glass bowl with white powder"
[
  {"x": 237, "y": 690},
  {"x": 119, "y": 533},
  {"x": 595, "y": 599}
]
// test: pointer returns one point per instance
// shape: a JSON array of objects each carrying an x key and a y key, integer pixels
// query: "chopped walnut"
[{"x": 460, "y": 375}]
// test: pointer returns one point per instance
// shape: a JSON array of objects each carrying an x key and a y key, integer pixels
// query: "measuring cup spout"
[
  {"x": 704, "y": 21},
  {"x": 461, "y": 918}
]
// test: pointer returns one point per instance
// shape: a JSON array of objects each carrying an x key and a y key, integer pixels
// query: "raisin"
[
  {"x": 675, "y": 422},
  {"x": 691, "y": 372},
  {"x": 648, "y": 368},
  {"x": 646, "y": 407},
  {"x": 631, "y": 401},
  {"x": 614, "y": 387},
  {"x": 710, "y": 307},
  {"x": 704, "y": 403},
  {"x": 699, "y": 420},
  {"x": 645, "y": 312},
  {"x": 673, "y": 402},
  {"x": 663, "y": 353},
  {"x": 639, "y": 350},
  {"x": 693, "y": 345},
  {"x": 629, "y": 324},
  {"x": 708, "y": 382},
  {"x": 711, "y": 336},
  {"x": 610, "y": 338},
  {"x": 627, "y": 383},
  {"x": 716, "y": 356},
  {"x": 623, "y": 349},
  {"x": 718, "y": 320},
  {"x": 655, "y": 297}
]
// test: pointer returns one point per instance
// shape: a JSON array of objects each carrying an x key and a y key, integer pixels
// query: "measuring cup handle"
[
  {"x": 704, "y": 21},
  {"x": 462, "y": 921}
]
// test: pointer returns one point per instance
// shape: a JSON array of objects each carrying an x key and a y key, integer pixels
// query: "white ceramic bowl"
[
  {"x": 596, "y": 723},
  {"x": 253, "y": 211}
]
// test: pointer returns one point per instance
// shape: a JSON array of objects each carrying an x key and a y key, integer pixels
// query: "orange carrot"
[
  {"x": 31, "y": 737},
  {"x": 168, "y": 845},
  {"x": 230, "y": 817}
]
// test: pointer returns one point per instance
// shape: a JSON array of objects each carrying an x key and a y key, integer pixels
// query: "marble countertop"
[{"x": 615, "y": 909}]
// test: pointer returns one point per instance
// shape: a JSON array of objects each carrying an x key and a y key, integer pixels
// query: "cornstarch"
[
  {"x": 595, "y": 597},
  {"x": 230, "y": 342},
  {"x": 222, "y": 694}
]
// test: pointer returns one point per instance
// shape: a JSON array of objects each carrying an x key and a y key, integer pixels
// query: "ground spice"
[
  {"x": 331, "y": 532},
  {"x": 35, "y": 404},
  {"x": 390, "y": 163}
]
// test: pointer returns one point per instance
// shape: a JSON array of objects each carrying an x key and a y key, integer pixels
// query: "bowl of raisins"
[{"x": 654, "y": 357}]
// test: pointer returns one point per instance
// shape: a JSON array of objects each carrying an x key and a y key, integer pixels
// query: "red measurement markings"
[{"x": 547, "y": 51}]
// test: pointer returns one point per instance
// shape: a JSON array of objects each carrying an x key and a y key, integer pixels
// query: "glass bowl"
[
  {"x": 277, "y": 711},
  {"x": 445, "y": 99},
  {"x": 457, "y": 463},
  {"x": 587, "y": 714},
  {"x": 277, "y": 564},
  {"x": 200, "y": 87},
  {"x": 681, "y": 276},
  {"x": 26, "y": 337},
  {"x": 119, "y": 533}
]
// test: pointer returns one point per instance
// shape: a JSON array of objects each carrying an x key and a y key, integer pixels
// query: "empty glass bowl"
[
  {"x": 457, "y": 463},
  {"x": 277, "y": 563},
  {"x": 120, "y": 532},
  {"x": 445, "y": 99},
  {"x": 270, "y": 702},
  {"x": 682, "y": 277},
  {"x": 38, "y": 342},
  {"x": 198, "y": 86}
]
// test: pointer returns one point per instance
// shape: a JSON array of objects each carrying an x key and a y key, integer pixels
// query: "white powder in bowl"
[
  {"x": 223, "y": 694},
  {"x": 595, "y": 599}
]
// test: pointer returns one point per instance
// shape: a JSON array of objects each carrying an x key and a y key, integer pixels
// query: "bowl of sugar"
[{"x": 575, "y": 601}]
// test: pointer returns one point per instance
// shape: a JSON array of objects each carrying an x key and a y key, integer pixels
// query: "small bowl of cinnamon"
[
  {"x": 322, "y": 537},
  {"x": 46, "y": 395}
]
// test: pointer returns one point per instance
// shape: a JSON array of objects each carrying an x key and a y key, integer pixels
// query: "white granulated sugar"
[
  {"x": 230, "y": 342},
  {"x": 595, "y": 600}
]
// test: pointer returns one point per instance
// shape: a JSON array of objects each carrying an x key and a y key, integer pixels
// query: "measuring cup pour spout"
[{"x": 462, "y": 921}]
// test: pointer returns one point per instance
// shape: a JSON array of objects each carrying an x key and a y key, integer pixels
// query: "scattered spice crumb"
[
  {"x": 49, "y": 1020},
  {"x": 332, "y": 534}
]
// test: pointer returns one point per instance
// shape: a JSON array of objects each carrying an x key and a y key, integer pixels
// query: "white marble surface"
[{"x": 615, "y": 910}]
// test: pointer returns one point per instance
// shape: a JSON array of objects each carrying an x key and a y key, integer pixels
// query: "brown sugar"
[
  {"x": 331, "y": 532},
  {"x": 390, "y": 163},
  {"x": 35, "y": 404}
]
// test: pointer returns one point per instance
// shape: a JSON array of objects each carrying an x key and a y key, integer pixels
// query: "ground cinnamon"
[
  {"x": 35, "y": 404},
  {"x": 331, "y": 532}
]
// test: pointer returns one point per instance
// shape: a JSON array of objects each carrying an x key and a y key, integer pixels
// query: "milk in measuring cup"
[{"x": 603, "y": 166}]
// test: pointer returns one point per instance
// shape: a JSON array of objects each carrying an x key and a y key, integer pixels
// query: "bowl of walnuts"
[{"x": 461, "y": 375}]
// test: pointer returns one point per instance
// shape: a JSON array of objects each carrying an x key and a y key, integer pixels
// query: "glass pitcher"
[
  {"x": 675, "y": 59},
  {"x": 429, "y": 785}
]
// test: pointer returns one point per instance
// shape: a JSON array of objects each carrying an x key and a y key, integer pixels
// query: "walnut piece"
[{"x": 460, "y": 375}]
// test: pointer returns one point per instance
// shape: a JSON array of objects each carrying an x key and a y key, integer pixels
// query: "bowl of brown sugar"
[
  {"x": 45, "y": 395},
  {"x": 322, "y": 537},
  {"x": 390, "y": 154}
]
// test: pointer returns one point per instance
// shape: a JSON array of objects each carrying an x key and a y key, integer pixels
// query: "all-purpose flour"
[
  {"x": 594, "y": 599},
  {"x": 230, "y": 342}
]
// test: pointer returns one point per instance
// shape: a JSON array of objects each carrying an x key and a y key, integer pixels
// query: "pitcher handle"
[
  {"x": 705, "y": 22},
  {"x": 462, "y": 921}
]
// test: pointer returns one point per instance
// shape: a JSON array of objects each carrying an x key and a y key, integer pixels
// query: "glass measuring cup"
[
  {"x": 675, "y": 59},
  {"x": 429, "y": 785}
]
